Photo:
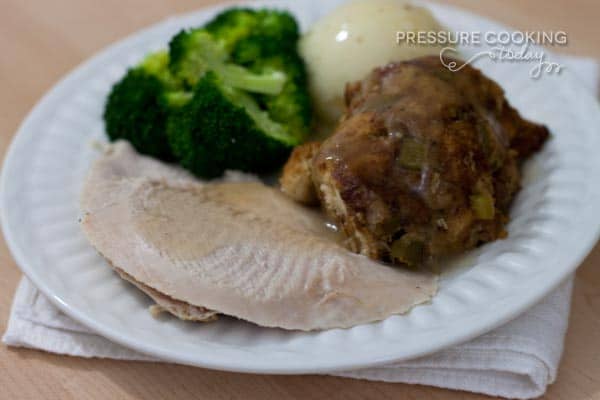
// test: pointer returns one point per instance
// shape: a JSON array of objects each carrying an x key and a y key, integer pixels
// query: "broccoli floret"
[
  {"x": 138, "y": 105},
  {"x": 249, "y": 34},
  {"x": 224, "y": 128},
  {"x": 263, "y": 41},
  {"x": 232, "y": 25},
  {"x": 292, "y": 106},
  {"x": 192, "y": 53},
  {"x": 239, "y": 108},
  {"x": 195, "y": 52},
  {"x": 230, "y": 95}
]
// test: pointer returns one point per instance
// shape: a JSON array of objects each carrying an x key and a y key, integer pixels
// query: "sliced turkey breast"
[{"x": 240, "y": 249}]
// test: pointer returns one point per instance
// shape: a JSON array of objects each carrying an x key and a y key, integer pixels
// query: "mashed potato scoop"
[{"x": 355, "y": 38}]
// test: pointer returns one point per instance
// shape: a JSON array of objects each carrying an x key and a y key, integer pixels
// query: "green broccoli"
[
  {"x": 195, "y": 52},
  {"x": 292, "y": 106},
  {"x": 241, "y": 116},
  {"x": 232, "y": 25},
  {"x": 224, "y": 128},
  {"x": 249, "y": 34},
  {"x": 271, "y": 46},
  {"x": 229, "y": 95},
  {"x": 138, "y": 106}
]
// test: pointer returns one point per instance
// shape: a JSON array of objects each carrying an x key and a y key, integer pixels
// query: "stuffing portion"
[
  {"x": 424, "y": 162},
  {"x": 296, "y": 180}
]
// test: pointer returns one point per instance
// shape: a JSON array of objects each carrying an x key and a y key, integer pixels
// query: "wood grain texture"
[{"x": 42, "y": 40}]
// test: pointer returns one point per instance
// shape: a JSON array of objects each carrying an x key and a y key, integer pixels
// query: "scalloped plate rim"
[{"x": 513, "y": 307}]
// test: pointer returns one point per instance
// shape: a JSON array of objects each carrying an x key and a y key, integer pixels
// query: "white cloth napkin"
[{"x": 517, "y": 360}]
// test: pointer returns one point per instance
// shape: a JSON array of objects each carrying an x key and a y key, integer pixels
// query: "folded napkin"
[{"x": 517, "y": 360}]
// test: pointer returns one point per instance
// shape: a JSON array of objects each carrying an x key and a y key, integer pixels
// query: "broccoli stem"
[
  {"x": 270, "y": 83},
  {"x": 178, "y": 98}
]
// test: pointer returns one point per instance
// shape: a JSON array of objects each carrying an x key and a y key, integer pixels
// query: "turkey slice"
[{"x": 240, "y": 249}]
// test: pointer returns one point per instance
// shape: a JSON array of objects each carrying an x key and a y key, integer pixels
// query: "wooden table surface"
[{"x": 40, "y": 41}]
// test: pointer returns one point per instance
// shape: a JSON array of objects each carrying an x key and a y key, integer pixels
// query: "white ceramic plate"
[{"x": 555, "y": 222}]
